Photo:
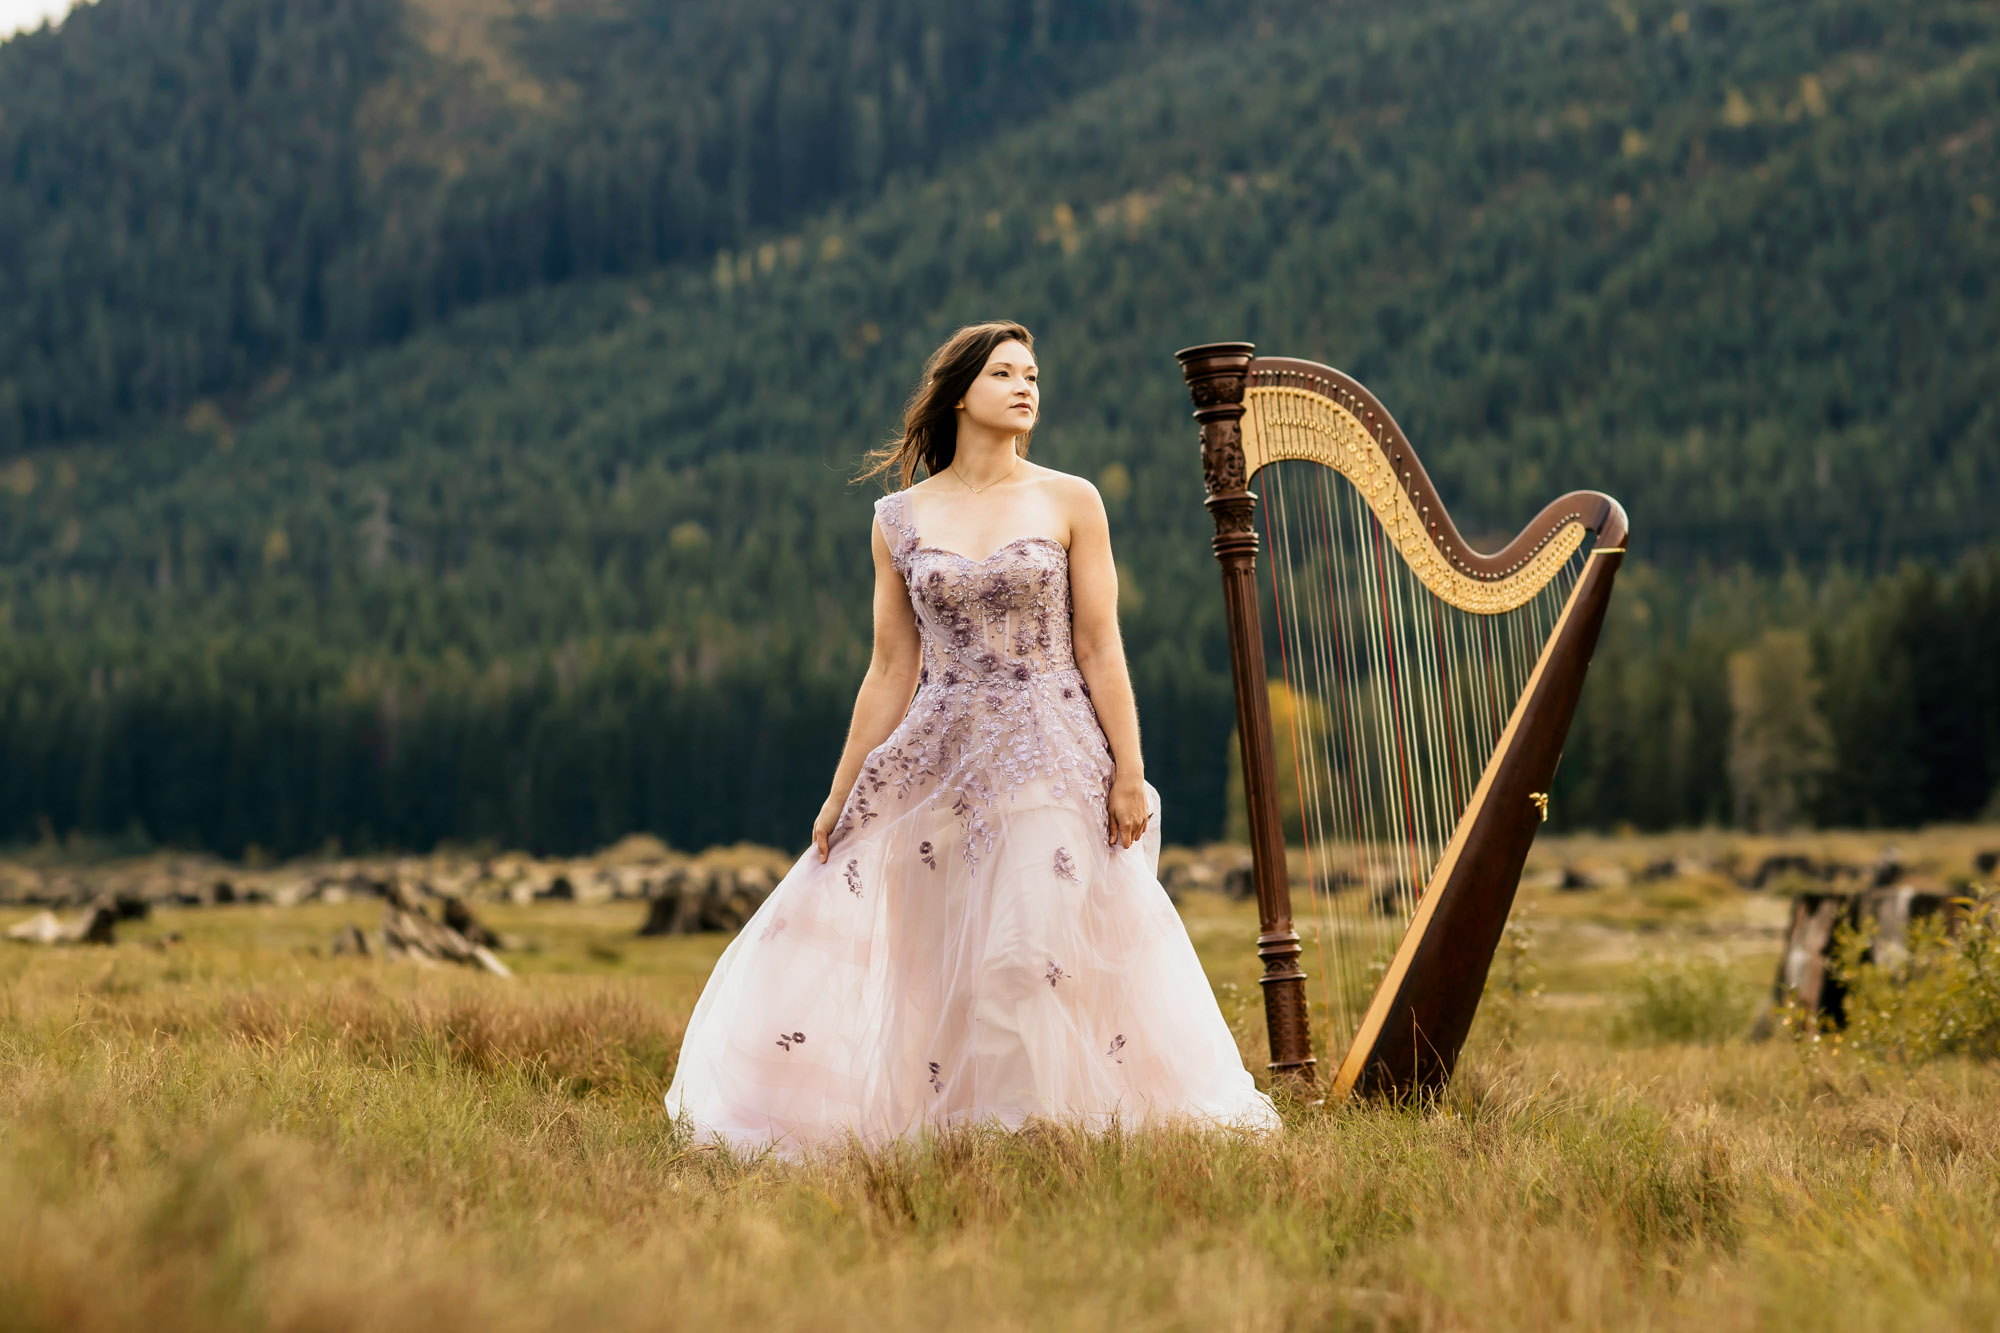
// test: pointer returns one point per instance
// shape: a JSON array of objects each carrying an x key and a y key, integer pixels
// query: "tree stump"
[
  {"x": 1805, "y": 972},
  {"x": 689, "y": 893},
  {"x": 663, "y": 916},
  {"x": 410, "y": 935},
  {"x": 460, "y": 918},
  {"x": 691, "y": 898}
]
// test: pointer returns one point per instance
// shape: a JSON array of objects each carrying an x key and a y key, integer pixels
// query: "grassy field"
[{"x": 235, "y": 1131}]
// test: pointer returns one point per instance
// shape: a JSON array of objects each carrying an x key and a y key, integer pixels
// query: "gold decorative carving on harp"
[{"x": 1427, "y": 688}]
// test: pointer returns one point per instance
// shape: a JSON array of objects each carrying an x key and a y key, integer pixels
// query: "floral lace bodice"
[{"x": 1000, "y": 703}]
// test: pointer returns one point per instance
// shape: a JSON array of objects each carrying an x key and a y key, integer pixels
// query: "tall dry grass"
[{"x": 235, "y": 1134}]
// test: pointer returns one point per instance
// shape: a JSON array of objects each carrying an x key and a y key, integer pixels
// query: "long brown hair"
[{"x": 930, "y": 419}]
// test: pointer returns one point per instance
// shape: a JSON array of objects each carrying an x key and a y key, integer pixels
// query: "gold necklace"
[{"x": 989, "y": 485}]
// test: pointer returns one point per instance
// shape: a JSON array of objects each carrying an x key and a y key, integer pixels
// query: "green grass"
[{"x": 236, "y": 1132}]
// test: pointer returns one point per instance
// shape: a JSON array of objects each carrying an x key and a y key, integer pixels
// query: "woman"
[{"x": 977, "y": 933}]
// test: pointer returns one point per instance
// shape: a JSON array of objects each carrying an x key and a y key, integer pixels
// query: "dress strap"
[{"x": 892, "y": 511}]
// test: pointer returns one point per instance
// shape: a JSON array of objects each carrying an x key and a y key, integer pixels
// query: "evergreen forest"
[{"x": 434, "y": 420}]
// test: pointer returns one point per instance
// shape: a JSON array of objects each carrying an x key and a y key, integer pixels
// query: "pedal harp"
[{"x": 1427, "y": 687}]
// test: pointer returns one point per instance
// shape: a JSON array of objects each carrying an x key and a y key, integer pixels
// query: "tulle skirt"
[{"x": 898, "y": 988}]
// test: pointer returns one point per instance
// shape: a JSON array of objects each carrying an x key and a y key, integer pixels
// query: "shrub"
[
  {"x": 1937, "y": 996},
  {"x": 1690, "y": 999}
]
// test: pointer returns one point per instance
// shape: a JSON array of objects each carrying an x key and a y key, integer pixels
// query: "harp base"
[{"x": 1287, "y": 1011}]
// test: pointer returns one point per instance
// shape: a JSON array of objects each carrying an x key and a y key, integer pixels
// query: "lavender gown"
[{"x": 972, "y": 950}]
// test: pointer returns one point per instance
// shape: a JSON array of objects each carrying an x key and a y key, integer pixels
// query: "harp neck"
[{"x": 1339, "y": 394}]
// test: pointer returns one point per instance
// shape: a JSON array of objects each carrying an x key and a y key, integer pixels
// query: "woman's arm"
[
  {"x": 1100, "y": 655},
  {"x": 885, "y": 691}
]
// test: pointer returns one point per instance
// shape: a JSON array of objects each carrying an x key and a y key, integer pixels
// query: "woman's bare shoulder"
[
  {"x": 924, "y": 487},
  {"x": 1065, "y": 487},
  {"x": 1075, "y": 496}
]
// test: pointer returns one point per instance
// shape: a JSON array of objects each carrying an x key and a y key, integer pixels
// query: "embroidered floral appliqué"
[
  {"x": 925, "y": 854},
  {"x": 791, "y": 1039},
  {"x": 853, "y": 877},
  {"x": 1000, "y": 702},
  {"x": 1065, "y": 865},
  {"x": 937, "y": 1084},
  {"x": 1117, "y": 1045},
  {"x": 1055, "y": 974}
]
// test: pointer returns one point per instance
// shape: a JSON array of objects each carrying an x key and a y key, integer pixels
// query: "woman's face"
[{"x": 1004, "y": 397}]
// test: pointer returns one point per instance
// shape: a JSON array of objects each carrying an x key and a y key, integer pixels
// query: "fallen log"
[{"x": 97, "y": 924}]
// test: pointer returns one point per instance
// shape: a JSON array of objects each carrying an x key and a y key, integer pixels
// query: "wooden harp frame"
[{"x": 1418, "y": 1018}]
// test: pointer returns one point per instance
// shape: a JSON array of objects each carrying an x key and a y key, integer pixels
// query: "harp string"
[
  {"x": 1356, "y": 928},
  {"x": 1389, "y": 893},
  {"x": 1367, "y": 686},
  {"x": 1330, "y": 744},
  {"x": 1278, "y": 537},
  {"x": 1337, "y": 647},
  {"x": 1325, "y": 714},
  {"x": 1370, "y": 795},
  {"x": 1396, "y": 700},
  {"x": 1302, "y": 612}
]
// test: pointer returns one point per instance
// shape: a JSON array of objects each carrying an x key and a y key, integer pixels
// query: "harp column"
[{"x": 1216, "y": 374}]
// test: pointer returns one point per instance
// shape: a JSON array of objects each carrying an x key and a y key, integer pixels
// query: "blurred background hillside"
[{"x": 431, "y": 420}]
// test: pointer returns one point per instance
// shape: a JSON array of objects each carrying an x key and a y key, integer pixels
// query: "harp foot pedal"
[{"x": 1541, "y": 800}]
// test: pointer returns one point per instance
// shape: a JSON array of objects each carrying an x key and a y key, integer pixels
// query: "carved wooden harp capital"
[
  {"x": 1428, "y": 687},
  {"x": 1215, "y": 376}
]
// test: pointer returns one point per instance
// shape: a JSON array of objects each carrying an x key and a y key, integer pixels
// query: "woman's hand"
[
  {"x": 824, "y": 824},
  {"x": 1129, "y": 815}
]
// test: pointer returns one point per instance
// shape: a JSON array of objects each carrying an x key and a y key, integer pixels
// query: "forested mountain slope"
[
  {"x": 582, "y": 559},
  {"x": 199, "y": 192}
]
